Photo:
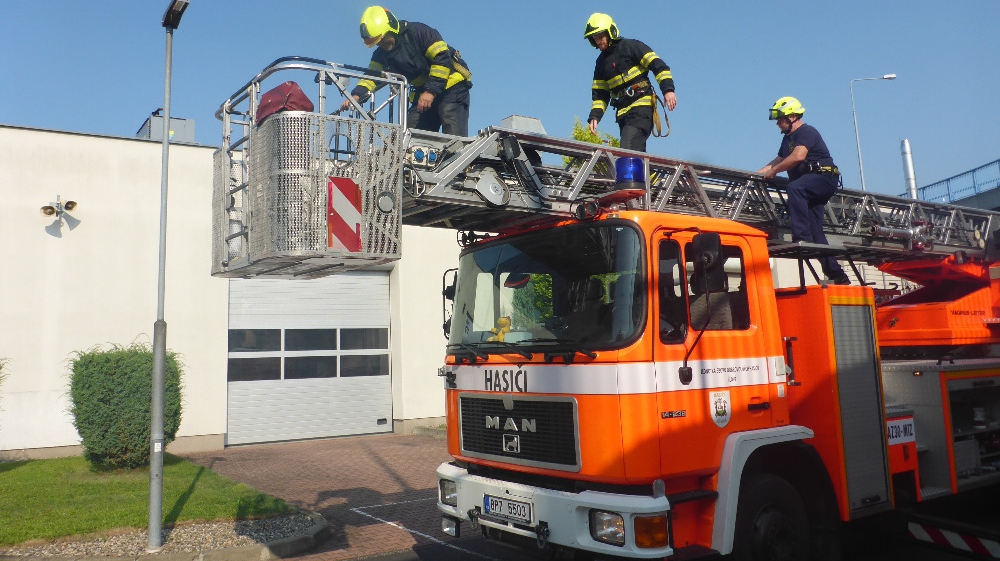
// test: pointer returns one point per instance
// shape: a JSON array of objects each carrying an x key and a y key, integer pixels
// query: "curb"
[
  {"x": 430, "y": 431},
  {"x": 280, "y": 549}
]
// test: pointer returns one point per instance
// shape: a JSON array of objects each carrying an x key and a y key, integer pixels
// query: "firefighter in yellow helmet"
[
  {"x": 439, "y": 78},
  {"x": 621, "y": 79},
  {"x": 813, "y": 178}
]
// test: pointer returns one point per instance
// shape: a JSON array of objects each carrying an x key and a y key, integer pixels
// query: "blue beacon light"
[{"x": 630, "y": 173}]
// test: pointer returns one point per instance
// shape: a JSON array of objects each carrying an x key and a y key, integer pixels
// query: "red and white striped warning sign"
[
  {"x": 344, "y": 214},
  {"x": 947, "y": 538}
]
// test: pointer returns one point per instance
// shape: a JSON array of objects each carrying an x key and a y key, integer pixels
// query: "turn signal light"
[{"x": 651, "y": 531}]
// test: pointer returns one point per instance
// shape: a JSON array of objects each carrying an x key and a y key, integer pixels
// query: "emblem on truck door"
[{"x": 721, "y": 406}]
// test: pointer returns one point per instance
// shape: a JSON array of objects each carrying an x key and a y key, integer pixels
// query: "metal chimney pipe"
[{"x": 908, "y": 175}]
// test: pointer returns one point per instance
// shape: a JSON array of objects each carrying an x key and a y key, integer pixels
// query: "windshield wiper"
[
  {"x": 476, "y": 348},
  {"x": 471, "y": 350},
  {"x": 574, "y": 348},
  {"x": 514, "y": 348}
]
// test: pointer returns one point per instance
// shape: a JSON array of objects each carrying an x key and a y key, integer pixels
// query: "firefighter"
[
  {"x": 813, "y": 178},
  {"x": 439, "y": 78},
  {"x": 621, "y": 80}
]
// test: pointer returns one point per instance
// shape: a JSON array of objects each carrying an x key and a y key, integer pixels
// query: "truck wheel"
[{"x": 771, "y": 521}]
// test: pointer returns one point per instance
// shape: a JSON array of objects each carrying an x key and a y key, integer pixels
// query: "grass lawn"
[{"x": 49, "y": 499}]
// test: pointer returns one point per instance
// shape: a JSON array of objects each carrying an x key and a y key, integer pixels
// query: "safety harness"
[{"x": 628, "y": 95}]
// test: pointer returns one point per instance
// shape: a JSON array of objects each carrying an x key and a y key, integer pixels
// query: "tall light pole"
[
  {"x": 857, "y": 139},
  {"x": 171, "y": 19}
]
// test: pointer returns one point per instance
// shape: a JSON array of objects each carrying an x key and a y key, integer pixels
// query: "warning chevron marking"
[
  {"x": 344, "y": 214},
  {"x": 955, "y": 540}
]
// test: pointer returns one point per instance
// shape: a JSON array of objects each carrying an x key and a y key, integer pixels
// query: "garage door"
[{"x": 308, "y": 359}]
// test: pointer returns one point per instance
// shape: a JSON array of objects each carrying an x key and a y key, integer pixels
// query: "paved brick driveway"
[{"x": 378, "y": 493}]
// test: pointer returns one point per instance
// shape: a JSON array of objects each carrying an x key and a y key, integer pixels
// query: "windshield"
[{"x": 578, "y": 285}]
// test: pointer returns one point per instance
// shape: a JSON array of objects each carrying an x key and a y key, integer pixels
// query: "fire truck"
[{"x": 623, "y": 377}]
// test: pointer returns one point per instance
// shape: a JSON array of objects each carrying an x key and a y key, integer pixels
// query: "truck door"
[{"x": 729, "y": 389}]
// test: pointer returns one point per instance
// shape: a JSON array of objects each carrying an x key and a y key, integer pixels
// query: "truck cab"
[{"x": 595, "y": 371}]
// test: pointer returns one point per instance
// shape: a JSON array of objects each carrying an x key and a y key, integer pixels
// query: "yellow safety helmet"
[
  {"x": 598, "y": 23},
  {"x": 786, "y": 106},
  {"x": 375, "y": 23}
]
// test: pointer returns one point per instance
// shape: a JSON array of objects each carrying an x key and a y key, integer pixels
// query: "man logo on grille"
[
  {"x": 527, "y": 425},
  {"x": 512, "y": 443}
]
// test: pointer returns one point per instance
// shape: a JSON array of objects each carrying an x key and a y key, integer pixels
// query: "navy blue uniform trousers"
[{"x": 807, "y": 198}]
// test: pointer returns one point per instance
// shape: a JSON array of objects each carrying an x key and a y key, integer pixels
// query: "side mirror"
[
  {"x": 447, "y": 294},
  {"x": 448, "y": 289},
  {"x": 707, "y": 256}
]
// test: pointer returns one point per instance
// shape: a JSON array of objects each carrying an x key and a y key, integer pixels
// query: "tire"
[{"x": 771, "y": 521}]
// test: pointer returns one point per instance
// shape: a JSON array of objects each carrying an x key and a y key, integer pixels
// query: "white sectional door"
[{"x": 308, "y": 358}]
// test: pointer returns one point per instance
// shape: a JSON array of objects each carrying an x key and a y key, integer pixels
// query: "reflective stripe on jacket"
[
  {"x": 422, "y": 56},
  {"x": 619, "y": 75}
]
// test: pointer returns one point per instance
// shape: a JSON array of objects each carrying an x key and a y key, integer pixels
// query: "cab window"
[
  {"x": 672, "y": 310},
  {"x": 724, "y": 305}
]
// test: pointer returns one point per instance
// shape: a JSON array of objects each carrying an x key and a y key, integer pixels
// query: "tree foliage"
[
  {"x": 111, "y": 391},
  {"x": 581, "y": 131},
  {"x": 533, "y": 303}
]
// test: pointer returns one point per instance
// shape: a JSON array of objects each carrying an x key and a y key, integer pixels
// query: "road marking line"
[{"x": 360, "y": 510}]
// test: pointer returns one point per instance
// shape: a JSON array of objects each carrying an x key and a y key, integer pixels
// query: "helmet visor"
[{"x": 369, "y": 39}]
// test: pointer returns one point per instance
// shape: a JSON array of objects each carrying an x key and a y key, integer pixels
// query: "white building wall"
[
  {"x": 93, "y": 279},
  {"x": 418, "y": 343}
]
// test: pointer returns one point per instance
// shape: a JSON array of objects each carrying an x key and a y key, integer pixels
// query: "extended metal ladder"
[
  {"x": 504, "y": 178},
  {"x": 286, "y": 186}
]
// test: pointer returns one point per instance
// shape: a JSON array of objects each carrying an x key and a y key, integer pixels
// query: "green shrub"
[{"x": 111, "y": 392}]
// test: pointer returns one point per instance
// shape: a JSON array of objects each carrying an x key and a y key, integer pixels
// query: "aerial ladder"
[{"x": 307, "y": 194}]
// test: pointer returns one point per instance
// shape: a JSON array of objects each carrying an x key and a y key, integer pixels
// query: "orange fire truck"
[{"x": 622, "y": 377}]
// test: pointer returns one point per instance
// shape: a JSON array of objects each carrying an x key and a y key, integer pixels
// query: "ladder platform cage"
[{"x": 301, "y": 189}]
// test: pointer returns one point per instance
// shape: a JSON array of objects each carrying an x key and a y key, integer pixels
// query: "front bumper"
[{"x": 566, "y": 515}]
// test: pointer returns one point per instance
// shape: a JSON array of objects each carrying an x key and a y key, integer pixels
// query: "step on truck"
[{"x": 623, "y": 378}]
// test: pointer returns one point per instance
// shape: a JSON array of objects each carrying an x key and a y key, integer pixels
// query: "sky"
[{"x": 98, "y": 67}]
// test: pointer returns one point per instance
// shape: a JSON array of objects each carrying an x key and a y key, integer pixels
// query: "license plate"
[{"x": 506, "y": 508}]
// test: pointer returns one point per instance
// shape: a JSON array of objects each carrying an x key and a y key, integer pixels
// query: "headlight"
[
  {"x": 607, "y": 527},
  {"x": 449, "y": 492},
  {"x": 651, "y": 531}
]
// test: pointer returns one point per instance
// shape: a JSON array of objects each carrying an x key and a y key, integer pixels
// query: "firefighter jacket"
[
  {"x": 620, "y": 78},
  {"x": 422, "y": 56}
]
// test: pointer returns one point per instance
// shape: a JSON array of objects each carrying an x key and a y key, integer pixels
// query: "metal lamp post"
[
  {"x": 857, "y": 139},
  {"x": 171, "y": 19}
]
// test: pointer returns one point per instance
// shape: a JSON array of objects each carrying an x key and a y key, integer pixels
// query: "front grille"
[{"x": 491, "y": 431}]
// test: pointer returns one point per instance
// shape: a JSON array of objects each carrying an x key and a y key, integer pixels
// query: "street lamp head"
[
  {"x": 172, "y": 17},
  {"x": 889, "y": 77}
]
